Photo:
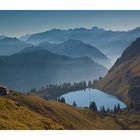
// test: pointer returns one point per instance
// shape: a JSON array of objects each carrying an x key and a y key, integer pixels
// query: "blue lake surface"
[{"x": 84, "y": 97}]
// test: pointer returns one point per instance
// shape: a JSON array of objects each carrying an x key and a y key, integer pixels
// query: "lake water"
[{"x": 83, "y": 99}]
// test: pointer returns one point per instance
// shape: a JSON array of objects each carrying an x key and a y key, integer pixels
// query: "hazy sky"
[{"x": 17, "y": 23}]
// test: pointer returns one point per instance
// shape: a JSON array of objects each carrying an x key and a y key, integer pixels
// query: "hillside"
[
  {"x": 34, "y": 67},
  {"x": 26, "y": 112},
  {"x": 124, "y": 75},
  {"x": 20, "y": 111},
  {"x": 77, "y": 48}
]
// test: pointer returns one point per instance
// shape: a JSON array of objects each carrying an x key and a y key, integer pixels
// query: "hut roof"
[{"x": 3, "y": 86}]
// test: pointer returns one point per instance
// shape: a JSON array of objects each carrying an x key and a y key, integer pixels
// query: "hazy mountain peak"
[
  {"x": 81, "y": 29},
  {"x": 77, "y": 48},
  {"x": 137, "y": 28},
  {"x": 111, "y": 43},
  {"x": 54, "y": 30},
  {"x": 51, "y": 31},
  {"x": 9, "y": 39},
  {"x": 24, "y": 37},
  {"x": 96, "y": 28},
  {"x": 10, "y": 46},
  {"x": 2, "y": 36}
]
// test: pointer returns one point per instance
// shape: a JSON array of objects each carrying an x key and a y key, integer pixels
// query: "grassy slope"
[
  {"x": 31, "y": 112},
  {"x": 15, "y": 116},
  {"x": 130, "y": 118},
  {"x": 116, "y": 82}
]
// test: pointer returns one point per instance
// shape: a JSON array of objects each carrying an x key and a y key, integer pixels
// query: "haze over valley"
[{"x": 70, "y": 70}]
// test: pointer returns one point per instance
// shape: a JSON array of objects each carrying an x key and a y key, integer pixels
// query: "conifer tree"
[
  {"x": 118, "y": 107},
  {"x": 74, "y": 104},
  {"x": 93, "y": 106},
  {"x": 63, "y": 100}
]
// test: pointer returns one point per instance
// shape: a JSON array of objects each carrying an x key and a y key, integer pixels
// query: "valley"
[{"x": 66, "y": 80}]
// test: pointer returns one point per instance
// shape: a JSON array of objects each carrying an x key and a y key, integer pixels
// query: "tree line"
[
  {"x": 65, "y": 87},
  {"x": 62, "y": 87},
  {"x": 93, "y": 107}
]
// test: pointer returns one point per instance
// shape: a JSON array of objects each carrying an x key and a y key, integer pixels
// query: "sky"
[{"x": 18, "y": 23}]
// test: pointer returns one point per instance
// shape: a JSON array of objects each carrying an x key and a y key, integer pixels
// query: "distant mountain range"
[
  {"x": 59, "y": 56},
  {"x": 124, "y": 75},
  {"x": 2, "y": 36},
  {"x": 35, "y": 66},
  {"x": 25, "y": 37},
  {"x": 72, "y": 48},
  {"x": 111, "y": 43},
  {"x": 10, "y": 46},
  {"x": 77, "y": 48}
]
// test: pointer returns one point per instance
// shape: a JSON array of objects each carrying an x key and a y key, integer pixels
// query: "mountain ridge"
[
  {"x": 35, "y": 67},
  {"x": 119, "y": 79},
  {"x": 77, "y": 48},
  {"x": 9, "y": 46},
  {"x": 112, "y": 43}
]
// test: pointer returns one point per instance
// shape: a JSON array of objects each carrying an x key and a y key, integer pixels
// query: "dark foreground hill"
[
  {"x": 34, "y": 67},
  {"x": 20, "y": 111}
]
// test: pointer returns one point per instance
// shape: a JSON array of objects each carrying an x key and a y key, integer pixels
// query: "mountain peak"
[
  {"x": 24, "y": 37},
  {"x": 96, "y": 28},
  {"x": 9, "y": 39},
  {"x": 135, "y": 30},
  {"x": 2, "y": 36},
  {"x": 78, "y": 29},
  {"x": 55, "y": 30}
]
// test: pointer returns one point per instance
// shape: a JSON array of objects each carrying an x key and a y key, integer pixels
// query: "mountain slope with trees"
[{"x": 123, "y": 79}]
